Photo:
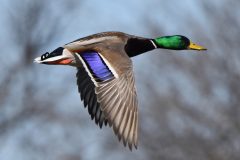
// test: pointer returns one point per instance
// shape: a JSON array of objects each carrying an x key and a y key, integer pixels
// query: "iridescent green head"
[{"x": 176, "y": 42}]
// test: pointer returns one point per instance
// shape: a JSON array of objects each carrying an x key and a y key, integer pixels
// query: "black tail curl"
[{"x": 56, "y": 52}]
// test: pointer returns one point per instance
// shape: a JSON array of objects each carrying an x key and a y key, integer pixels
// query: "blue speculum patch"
[{"x": 97, "y": 66}]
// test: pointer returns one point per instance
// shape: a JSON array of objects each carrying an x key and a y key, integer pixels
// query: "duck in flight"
[{"x": 105, "y": 75}]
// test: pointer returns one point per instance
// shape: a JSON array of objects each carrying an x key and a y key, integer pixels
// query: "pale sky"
[{"x": 95, "y": 16}]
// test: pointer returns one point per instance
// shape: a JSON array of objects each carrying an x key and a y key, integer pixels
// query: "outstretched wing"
[
  {"x": 86, "y": 89},
  {"x": 115, "y": 92}
]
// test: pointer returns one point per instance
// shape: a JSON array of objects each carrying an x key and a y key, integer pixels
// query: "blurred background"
[{"x": 188, "y": 101}]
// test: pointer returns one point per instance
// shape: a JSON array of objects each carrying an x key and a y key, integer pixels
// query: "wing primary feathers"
[{"x": 89, "y": 98}]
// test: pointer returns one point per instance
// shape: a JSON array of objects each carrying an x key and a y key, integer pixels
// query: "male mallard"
[{"x": 105, "y": 75}]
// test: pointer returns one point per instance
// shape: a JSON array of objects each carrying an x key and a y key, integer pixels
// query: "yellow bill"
[{"x": 194, "y": 46}]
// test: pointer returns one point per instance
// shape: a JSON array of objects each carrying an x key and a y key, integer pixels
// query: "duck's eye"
[{"x": 44, "y": 56}]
